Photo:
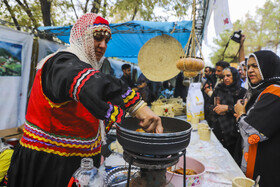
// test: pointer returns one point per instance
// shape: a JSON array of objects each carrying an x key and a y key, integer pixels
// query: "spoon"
[{"x": 257, "y": 181}]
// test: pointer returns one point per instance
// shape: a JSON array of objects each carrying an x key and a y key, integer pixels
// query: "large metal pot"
[{"x": 176, "y": 137}]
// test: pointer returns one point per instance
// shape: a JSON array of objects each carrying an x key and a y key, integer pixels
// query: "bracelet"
[
  {"x": 136, "y": 107},
  {"x": 144, "y": 104}
]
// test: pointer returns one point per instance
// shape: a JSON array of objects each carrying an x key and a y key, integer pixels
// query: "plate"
[{"x": 117, "y": 177}]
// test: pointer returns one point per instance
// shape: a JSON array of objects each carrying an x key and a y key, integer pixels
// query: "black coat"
[{"x": 224, "y": 126}]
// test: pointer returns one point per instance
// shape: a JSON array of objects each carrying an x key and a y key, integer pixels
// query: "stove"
[
  {"x": 152, "y": 168},
  {"x": 153, "y": 152}
]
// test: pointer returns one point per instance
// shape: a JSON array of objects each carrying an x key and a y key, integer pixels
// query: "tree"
[
  {"x": 271, "y": 19},
  {"x": 226, "y": 49},
  {"x": 126, "y": 10},
  {"x": 46, "y": 12},
  {"x": 13, "y": 17},
  {"x": 35, "y": 13},
  {"x": 262, "y": 31}
]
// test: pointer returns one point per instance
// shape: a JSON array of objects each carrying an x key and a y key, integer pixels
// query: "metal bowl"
[
  {"x": 12, "y": 141},
  {"x": 118, "y": 176},
  {"x": 175, "y": 138}
]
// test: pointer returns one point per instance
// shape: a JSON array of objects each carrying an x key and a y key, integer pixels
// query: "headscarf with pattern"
[{"x": 82, "y": 37}]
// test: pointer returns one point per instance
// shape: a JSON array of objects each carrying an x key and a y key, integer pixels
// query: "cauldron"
[{"x": 174, "y": 139}]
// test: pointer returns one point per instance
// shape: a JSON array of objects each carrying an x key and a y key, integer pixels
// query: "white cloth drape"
[
  {"x": 16, "y": 50},
  {"x": 221, "y": 16},
  {"x": 47, "y": 47}
]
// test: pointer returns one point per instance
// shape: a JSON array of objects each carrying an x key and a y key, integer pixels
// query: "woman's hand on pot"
[{"x": 149, "y": 121}]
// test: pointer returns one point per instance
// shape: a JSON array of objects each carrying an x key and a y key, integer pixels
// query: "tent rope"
[{"x": 190, "y": 46}]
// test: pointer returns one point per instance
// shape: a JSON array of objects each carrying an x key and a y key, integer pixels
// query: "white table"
[{"x": 220, "y": 166}]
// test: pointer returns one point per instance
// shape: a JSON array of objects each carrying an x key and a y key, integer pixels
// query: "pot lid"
[{"x": 158, "y": 56}]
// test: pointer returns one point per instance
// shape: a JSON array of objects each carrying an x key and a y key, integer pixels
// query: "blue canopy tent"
[{"x": 129, "y": 37}]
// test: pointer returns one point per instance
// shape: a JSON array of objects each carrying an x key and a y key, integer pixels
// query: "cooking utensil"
[
  {"x": 176, "y": 137},
  {"x": 257, "y": 181}
]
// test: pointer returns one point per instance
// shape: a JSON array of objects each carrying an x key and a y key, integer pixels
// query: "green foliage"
[
  {"x": 262, "y": 31},
  {"x": 62, "y": 11}
]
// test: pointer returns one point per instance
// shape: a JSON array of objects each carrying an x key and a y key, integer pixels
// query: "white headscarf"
[{"x": 82, "y": 39}]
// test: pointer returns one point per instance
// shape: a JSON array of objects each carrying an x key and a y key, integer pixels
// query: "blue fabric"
[{"x": 129, "y": 37}]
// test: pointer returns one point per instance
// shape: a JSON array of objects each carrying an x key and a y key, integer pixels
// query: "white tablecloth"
[{"x": 220, "y": 166}]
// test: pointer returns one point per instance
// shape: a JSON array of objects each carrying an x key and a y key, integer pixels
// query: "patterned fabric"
[
  {"x": 79, "y": 81},
  {"x": 74, "y": 131},
  {"x": 225, "y": 125},
  {"x": 130, "y": 98},
  {"x": 40, "y": 140},
  {"x": 114, "y": 115},
  {"x": 82, "y": 37}
]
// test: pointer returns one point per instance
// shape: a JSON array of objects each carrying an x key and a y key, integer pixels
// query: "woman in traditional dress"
[{"x": 71, "y": 106}]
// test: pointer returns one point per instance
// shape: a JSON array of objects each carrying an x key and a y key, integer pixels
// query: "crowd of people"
[
  {"x": 72, "y": 105},
  {"x": 242, "y": 106},
  {"x": 243, "y": 110}
]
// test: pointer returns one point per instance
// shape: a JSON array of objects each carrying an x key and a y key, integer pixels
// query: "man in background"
[
  {"x": 126, "y": 69},
  {"x": 242, "y": 71},
  {"x": 220, "y": 66},
  {"x": 208, "y": 71},
  {"x": 242, "y": 63}
]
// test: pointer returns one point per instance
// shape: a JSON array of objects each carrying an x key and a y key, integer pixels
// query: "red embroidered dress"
[
  {"x": 68, "y": 103},
  {"x": 66, "y": 129},
  {"x": 67, "y": 100}
]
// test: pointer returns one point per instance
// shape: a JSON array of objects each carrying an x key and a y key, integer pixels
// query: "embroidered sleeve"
[
  {"x": 65, "y": 78},
  {"x": 101, "y": 94},
  {"x": 130, "y": 98}
]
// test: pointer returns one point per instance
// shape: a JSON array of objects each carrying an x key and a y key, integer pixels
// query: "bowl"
[
  {"x": 13, "y": 141},
  {"x": 242, "y": 182},
  {"x": 118, "y": 176},
  {"x": 191, "y": 180}
]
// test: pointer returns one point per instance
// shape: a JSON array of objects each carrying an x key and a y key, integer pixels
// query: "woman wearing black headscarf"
[
  {"x": 221, "y": 114},
  {"x": 259, "y": 119}
]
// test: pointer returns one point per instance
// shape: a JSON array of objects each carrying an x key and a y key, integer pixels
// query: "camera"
[{"x": 236, "y": 36}]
